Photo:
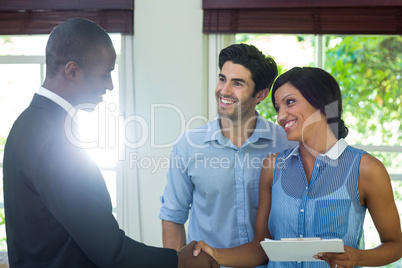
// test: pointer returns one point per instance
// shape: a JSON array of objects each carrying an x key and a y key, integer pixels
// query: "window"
[
  {"x": 368, "y": 71},
  {"x": 23, "y": 71}
]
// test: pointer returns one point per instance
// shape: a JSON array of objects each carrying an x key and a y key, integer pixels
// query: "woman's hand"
[
  {"x": 347, "y": 259},
  {"x": 201, "y": 245}
]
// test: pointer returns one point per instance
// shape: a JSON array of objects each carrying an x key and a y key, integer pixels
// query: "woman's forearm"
[{"x": 247, "y": 255}]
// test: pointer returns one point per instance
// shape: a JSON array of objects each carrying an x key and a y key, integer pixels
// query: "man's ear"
[
  {"x": 71, "y": 70},
  {"x": 261, "y": 95}
]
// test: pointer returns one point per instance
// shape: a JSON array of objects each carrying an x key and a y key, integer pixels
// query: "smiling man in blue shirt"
[{"x": 214, "y": 170}]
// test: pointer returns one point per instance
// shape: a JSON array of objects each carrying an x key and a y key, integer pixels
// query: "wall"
[{"x": 169, "y": 63}]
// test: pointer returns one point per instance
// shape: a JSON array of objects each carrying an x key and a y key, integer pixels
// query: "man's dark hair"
[
  {"x": 77, "y": 39},
  {"x": 263, "y": 68}
]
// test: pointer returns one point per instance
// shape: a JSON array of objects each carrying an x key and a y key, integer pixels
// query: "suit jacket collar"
[{"x": 40, "y": 101}]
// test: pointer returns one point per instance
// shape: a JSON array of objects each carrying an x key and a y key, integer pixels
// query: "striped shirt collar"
[
  {"x": 58, "y": 100},
  {"x": 333, "y": 153}
]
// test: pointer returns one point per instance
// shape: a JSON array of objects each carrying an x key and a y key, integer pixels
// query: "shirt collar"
[
  {"x": 336, "y": 150},
  {"x": 58, "y": 100},
  {"x": 334, "y": 153},
  {"x": 262, "y": 131}
]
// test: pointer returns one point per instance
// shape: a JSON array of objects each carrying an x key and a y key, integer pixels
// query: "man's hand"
[
  {"x": 202, "y": 246},
  {"x": 187, "y": 259}
]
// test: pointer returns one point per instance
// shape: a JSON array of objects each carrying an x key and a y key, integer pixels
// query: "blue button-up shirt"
[{"x": 217, "y": 182}]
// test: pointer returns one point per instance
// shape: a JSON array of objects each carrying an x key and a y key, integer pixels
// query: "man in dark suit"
[{"x": 58, "y": 209}]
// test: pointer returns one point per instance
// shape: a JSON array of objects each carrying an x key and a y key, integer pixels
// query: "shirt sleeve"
[{"x": 178, "y": 194}]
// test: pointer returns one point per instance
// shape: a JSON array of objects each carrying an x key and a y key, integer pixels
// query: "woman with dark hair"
[
  {"x": 323, "y": 187},
  {"x": 321, "y": 90}
]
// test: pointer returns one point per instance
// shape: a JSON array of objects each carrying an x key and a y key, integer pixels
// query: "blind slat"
[
  {"x": 113, "y": 21},
  {"x": 379, "y": 20},
  {"x": 41, "y": 16},
  {"x": 13, "y": 5},
  {"x": 253, "y": 4}
]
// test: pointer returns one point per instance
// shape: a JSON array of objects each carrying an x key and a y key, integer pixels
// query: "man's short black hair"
[
  {"x": 263, "y": 68},
  {"x": 77, "y": 39}
]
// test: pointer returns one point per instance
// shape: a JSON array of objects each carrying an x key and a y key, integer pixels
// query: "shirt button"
[
  {"x": 240, "y": 206},
  {"x": 238, "y": 178},
  {"x": 318, "y": 165},
  {"x": 242, "y": 233},
  {"x": 301, "y": 235},
  {"x": 306, "y": 188},
  {"x": 302, "y": 210}
]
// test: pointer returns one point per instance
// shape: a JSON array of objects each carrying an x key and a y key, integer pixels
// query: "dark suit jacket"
[{"x": 58, "y": 209}]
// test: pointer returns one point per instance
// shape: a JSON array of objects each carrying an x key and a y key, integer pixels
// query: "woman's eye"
[{"x": 290, "y": 101}]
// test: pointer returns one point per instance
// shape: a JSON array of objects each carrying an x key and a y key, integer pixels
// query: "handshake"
[{"x": 191, "y": 256}]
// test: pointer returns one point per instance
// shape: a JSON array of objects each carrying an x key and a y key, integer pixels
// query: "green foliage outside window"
[
  {"x": 3, "y": 240},
  {"x": 369, "y": 72}
]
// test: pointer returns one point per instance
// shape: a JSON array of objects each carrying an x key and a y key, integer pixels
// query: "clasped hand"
[
  {"x": 188, "y": 258},
  {"x": 202, "y": 246}
]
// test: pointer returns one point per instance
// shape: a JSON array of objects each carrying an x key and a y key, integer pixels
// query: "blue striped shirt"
[{"x": 327, "y": 207}]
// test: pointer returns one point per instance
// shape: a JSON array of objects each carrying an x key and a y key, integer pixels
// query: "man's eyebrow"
[
  {"x": 234, "y": 79},
  {"x": 239, "y": 80}
]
